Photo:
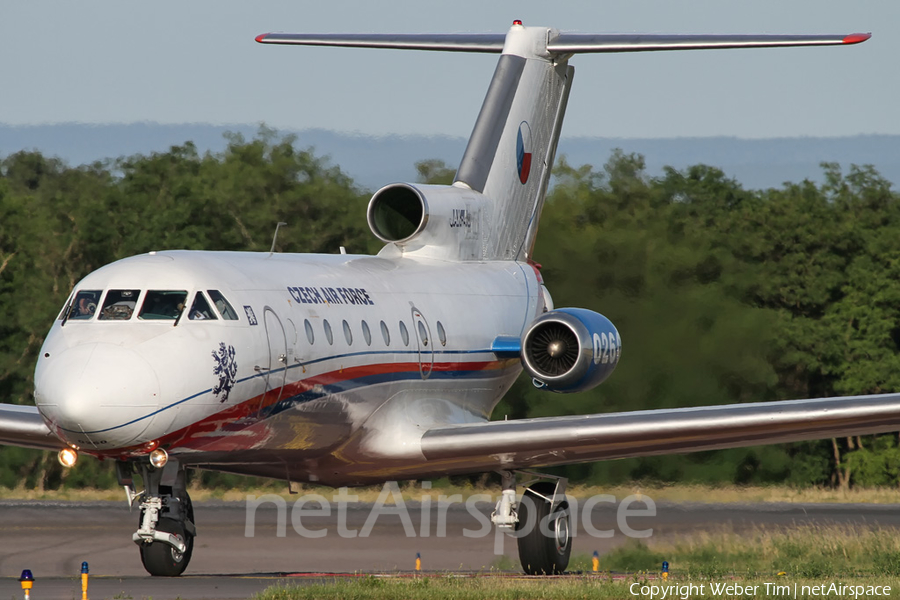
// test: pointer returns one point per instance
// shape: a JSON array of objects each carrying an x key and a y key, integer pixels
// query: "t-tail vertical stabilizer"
[
  {"x": 491, "y": 211},
  {"x": 510, "y": 153}
]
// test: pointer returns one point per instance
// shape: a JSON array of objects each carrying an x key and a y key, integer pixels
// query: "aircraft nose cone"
[{"x": 97, "y": 396}]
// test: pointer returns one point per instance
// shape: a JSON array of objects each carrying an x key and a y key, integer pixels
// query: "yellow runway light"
[
  {"x": 27, "y": 581},
  {"x": 84, "y": 580}
]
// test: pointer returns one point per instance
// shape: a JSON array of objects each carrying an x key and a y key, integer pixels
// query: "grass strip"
[
  {"x": 757, "y": 563},
  {"x": 808, "y": 551}
]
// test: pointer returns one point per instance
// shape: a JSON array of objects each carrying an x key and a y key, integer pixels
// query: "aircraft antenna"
[{"x": 275, "y": 237}]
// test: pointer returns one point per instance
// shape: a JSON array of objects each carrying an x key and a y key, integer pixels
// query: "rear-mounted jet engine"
[{"x": 571, "y": 350}]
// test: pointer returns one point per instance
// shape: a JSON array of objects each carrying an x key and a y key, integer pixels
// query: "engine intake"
[
  {"x": 397, "y": 213},
  {"x": 432, "y": 221},
  {"x": 571, "y": 350}
]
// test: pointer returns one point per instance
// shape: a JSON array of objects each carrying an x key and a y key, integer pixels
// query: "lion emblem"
[{"x": 225, "y": 369}]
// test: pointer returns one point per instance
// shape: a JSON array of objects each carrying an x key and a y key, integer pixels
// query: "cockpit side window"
[
  {"x": 222, "y": 305},
  {"x": 200, "y": 309},
  {"x": 163, "y": 305},
  {"x": 85, "y": 305},
  {"x": 119, "y": 305},
  {"x": 65, "y": 310}
]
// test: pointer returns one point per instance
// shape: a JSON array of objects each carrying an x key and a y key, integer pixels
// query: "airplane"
[{"x": 348, "y": 370}]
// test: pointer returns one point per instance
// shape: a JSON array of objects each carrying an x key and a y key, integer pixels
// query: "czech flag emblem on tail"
[{"x": 523, "y": 151}]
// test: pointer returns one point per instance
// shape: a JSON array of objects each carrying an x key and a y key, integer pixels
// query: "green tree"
[{"x": 435, "y": 171}]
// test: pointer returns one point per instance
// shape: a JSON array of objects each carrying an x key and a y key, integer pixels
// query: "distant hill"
[{"x": 375, "y": 161}]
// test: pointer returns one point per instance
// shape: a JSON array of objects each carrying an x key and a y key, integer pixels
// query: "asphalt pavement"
[{"x": 242, "y": 549}]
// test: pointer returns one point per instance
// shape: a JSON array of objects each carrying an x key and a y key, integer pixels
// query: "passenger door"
[
  {"x": 425, "y": 343},
  {"x": 277, "y": 366}
]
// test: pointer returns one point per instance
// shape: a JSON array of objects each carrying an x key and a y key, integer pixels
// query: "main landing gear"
[
  {"x": 166, "y": 529},
  {"x": 540, "y": 521}
]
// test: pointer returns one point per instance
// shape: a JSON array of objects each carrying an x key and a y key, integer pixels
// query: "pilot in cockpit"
[{"x": 86, "y": 307}]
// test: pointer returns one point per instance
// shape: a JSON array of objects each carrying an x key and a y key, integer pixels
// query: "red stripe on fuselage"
[{"x": 225, "y": 431}]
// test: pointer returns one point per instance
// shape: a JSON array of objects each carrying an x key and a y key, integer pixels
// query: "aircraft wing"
[
  {"x": 23, "y": 426},
  {"x": 574, "y": 439}
]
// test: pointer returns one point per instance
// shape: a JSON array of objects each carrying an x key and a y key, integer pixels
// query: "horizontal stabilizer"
[
  {"x": 558, "y": 43},
  {"x": 578, "y": 43},
  {"x": 447, "y": 42}
]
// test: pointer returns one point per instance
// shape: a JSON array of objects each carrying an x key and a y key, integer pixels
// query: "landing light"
[
  {"x": 159, "y": 458},
  {"x": 67, "y": 457}
]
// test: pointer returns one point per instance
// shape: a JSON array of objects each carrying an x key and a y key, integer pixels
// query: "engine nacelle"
[
  {"x": 439, "y": 221},
  {"x": 571, "y": 350}
]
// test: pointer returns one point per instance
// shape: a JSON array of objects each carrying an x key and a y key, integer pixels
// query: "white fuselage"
[{"x": 272, "y": 392}]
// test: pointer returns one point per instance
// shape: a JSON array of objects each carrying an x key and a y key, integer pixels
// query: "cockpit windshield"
[
  {"x": 119, "y": 305},
  {"x": 162, "y": 305},
  {"x": 157, "y": 305},
  {"x": 85, "y": 305}
]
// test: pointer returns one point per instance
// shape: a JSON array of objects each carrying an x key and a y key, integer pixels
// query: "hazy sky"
[{"x": 196, "y": 61}]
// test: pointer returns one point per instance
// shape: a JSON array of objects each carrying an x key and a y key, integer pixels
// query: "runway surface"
[{"x": 53, "y": 538}]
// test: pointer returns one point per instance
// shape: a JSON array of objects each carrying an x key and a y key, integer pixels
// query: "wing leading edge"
[
  {"x": 23, "y": 426},
  {"x": 574, "y": 439}
]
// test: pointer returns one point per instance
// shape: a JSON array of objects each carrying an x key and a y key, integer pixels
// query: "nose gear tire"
[{"x": 161, "y": 559}]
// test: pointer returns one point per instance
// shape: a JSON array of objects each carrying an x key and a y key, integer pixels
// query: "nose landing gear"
[{"x": 166, "y": 526}]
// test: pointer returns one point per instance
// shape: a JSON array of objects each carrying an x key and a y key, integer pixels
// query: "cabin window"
[
  {"x": 366, "y": 333},
  {"x": 310, "y": 334},
  {"x": 222, "y": 305},
  {"x": 163, "y": 305},
  {"x": 328, "y": 334},
  {"x": 85, "y": 305},
  {"x": 200, "y": 309},
  {"x": 119, "y": 305},
  {"x": 348, "y": 335},
  {"x": 442, "y": 335},
  {"x": 404, "y": 333},
  {"x": 423, "y": 333},
  {"x": 385, "y": 333}
]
